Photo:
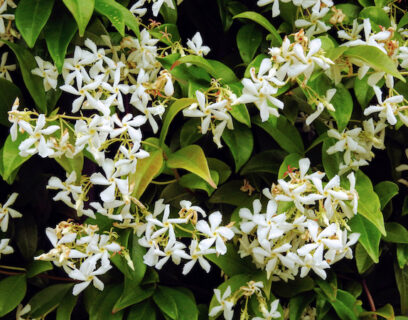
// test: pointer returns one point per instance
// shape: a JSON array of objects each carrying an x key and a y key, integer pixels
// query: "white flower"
[
  {"x": 196, "y": 45},
  {"x": 5, "y": 211},
  {"x": 36, "y": 138},
  {"x": 4, "y": 69},
  {"x": 165, "y": 224},
  {"x": 67, "y": 188},
  {"x": 4, "y": 247},
  {"x": 271, "y": 314},
  {"x": 137, "y": 9},
  {"x": 173, "y": 249},
  {"x": 316, "y": 263},
  {"x": 387, "y": 108},
  {"x": 3, "y": 15},
  {"x": 325, "y": 102},
  {"x": 225, "y": 305},
  {"x": 158, "y": 3},
  {"x": 196, "y": 254},
  {"x": 108, "y": 166},
  {"x": 129, "y": 124},
  {"x": 214, "y": 233},
  {"x": 48, "y": 71},
  {"x": 87, "y": 274}
]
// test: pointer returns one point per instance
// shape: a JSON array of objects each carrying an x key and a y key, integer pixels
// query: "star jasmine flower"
[
  {"x": 108, "y": 166},
  {"x": 4, "y": 69},
  {"x": 48, "y": 71},
  {"x": 196, "y": 45},
  {"x": 225, "y": 304},
  {"x": 5, "y": 211},
  {"x": 87, "y": 274},
  {"x": 173, "y": 249},
  {"x": 36, "y": 138},
  {"x": 196, "y": 254},
  {"x": 273, "y": 313},
  {"x": 5, "y": 248},
  {"x": 214, "y": 233},
  {"x": 137, "y": 9},
  {"x": 387, "y": 108},
  {"x": 67, "y": 188}
]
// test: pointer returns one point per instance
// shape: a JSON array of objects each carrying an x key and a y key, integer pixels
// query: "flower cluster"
[
  {"x": 82, "y": 252},
  {"x": 158, "y": 234},
  {"x": 304, "y": 226},
  {"x": 288, "y": 62}
]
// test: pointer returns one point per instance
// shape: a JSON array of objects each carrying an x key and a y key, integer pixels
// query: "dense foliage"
[{"x": 201, "y": 159}]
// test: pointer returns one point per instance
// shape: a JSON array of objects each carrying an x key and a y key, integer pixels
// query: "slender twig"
[{"x": 369, "y": 297}]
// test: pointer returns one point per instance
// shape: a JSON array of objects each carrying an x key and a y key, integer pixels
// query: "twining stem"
[{"x": 369, "y": 297}]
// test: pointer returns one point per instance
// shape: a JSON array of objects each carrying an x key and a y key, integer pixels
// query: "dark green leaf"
[
  {"x": 283, "y": 133},
  {"x": 293, "y": 287},
  {"x": 266, "y": 161},
  {"x": 82, "y": 11},
  {"x": 27, "y": 236},
  {"x": 31, "y": 16},
  {"x": 12, "y": 291},
  {"x": 401, "y": 277},
  {"x": 396, "y": 233},
  {"x": 142, "y": 311},
  {"x": 192, "y": 181},
  {"x": 248, "y": 40},
  {"x": 46, "y": 300},
  {"x": 37, "y": 266},
  {"x": 132, "y": 294},
  {"x": 33, "y": 83},
  {"x": 66, "y": 306},
  {"x": 240, "y": 142},
  {"x": 386, "y": 190},
  {"x": 363, "y": 260},
  {"x": 8, "y": 94},
  {"x": 297, "y": 304},
  {"x": 59, "y": 32},
  {"x": 230, "y": 193},
  {"x": 166, "y": 302},
  {"x": 224, "y": 171}
]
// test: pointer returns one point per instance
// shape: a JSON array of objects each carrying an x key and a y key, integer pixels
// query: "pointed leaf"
[
  {"x": 191, "y": 158},
  {"x": 82, "y": 11},
  {"x": 12, "y": 292}
]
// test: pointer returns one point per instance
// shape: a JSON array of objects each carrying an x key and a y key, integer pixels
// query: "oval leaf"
[
  {"x": 82, "y": 11},
  {"x": 12, "y": 291}
]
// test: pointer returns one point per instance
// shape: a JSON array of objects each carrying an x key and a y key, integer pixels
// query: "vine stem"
[{"x": 369, "y": 297}]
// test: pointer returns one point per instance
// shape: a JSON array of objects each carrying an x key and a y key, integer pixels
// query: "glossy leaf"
[
  {"x": 166, "y": 302},
  {"x": 376, "y": 15},
  {"x": 142, "y": 311},
  {"x": 185, "y": 303},
  {"x": 37, "y": 267},
  {"x": 48, "y": 299},
  {"x": 297, "y": 304},
  {"x": 132, "y": 293},
  {"x": 240, "y": 142},
  {"x": 266, "y": 161},
  {"x": 191, "y": 158},
  {"x": 192, "y": 181},
  {"x": 33, "y": 83},
  {"x": 401, "y": 278},
  {"x": 396, "y": 233},
  {"x": 369, "y": 235},
  {"x": 10, "y": 159},
  {"x": 27, "y": 236},
  {"x": 173, "y": 110},
  {"x": 293, "y": 287},
  {"x": 113, "y": 13},
  {"x": 82, "y": 11},
  {"x": 375, "y": 58},
  {"x": 8, "y": 94},
  {"x": 59, "y": 32},
  {"x": 67, "y": 305},
  {"x": 290, "y": 162},
  {"x": 223, "y": 170},
  {"x": 12, "y": 292},
  {"x": 283, "y": 133},
  {"x": 230, "y": 193},
  {"x": 248, "y": 40},
  {"x": 386, "y": 190},
  {"x": 146, "y": 170},
  {"x": 256, "y": 17},
  {"x": 363, "y": 260},
  {"x": 31, "y": 17}
]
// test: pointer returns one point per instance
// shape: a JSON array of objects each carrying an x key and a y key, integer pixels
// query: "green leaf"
[
  {"x": 401, "y": 277},
  {"x": 167, "y": 28},
  {"x": 12, "y": 292},
  {"x": 103, "y": 308},
  {"x": 328, "y": 286},
  {"x": 386, "y": 312},
  {"x": 66, "y": 306},
  {"x": 10, "y": 159},
  {"x": 369, "y": 235},
  {"x": 248, "y": 40},
  {"x": 33, "y": 83},
  {"x": 350, "y": 10},
  {"x": 74, "y": 164},
  {"x": 198, "y": 61},
  {"x": 230, "y": 193},
  {"x": 290, "y": 161},
  {"x": 386, "y": 190},
  {"x": 27, "y": 236},
  {"x": 403, "y": 21},
  {"x": 190, "y": 132},
  {"x": 297, "y": 304},
  {"x": 375, "y": 58},
  {"x": 396, "y": 233},
  {"x": 231, "y": 263},
  {"x": 368, "y": 203},
  {"x": 240, "y": 142},
  {"x": 142, "y": 311},
  {"x": 346, "y": 306},
  {"x": 49, "y": 298},
  {"x": 136, "y": 252},
  {"x": 343, "y": 103},
  {"x": 175, "y": 108},
  {"x": 224, "y": 171},
  {"x": 266, "y": 161},
  {"x": 185, "y": 302},
  {"x": 192, "y": 181},
  {"x": 364, "y": 92},
  {"x": 191, "y": 158},
  {"x": 109, "y": 9},
  {"x": 59, "y": 32},
  {"x": 37, "y": 267},
  {"x": 169, "y": 15},
  {"x": 166, "y": 302},
  {"x": 363, "y": 260},
  {"x": 223, "y": 72},
  {"x": 31, "y": 16},
  {"x": 256, "y": 17},
  {"x": 402, "y": 254},
  {"x": 132, "y": 293},
  {"x": 283, "y": 133},
  {"x": 8, "y": 94},
  {"x": 376, "y": 15},
  {"x": 82, "y": 11},
  {"x": 146, "y": 170},
  {"x": 293, "y": 287}
]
